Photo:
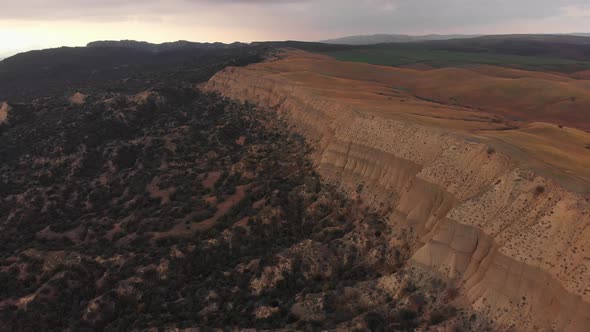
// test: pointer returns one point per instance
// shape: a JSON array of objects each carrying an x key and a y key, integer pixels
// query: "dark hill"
[
  {"x": 45, "y": 72},
  {"x": 557, "y": 46},
  {"x": 163, "y": 47}
]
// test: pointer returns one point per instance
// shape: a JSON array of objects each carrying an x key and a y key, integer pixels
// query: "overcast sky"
[{"x": 33, "y": 24}]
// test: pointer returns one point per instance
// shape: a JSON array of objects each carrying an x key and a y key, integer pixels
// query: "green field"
[{"x": 436, "y": 58}]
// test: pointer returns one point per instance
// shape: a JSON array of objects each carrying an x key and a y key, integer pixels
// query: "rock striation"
[{"x": 513, "y": 234}]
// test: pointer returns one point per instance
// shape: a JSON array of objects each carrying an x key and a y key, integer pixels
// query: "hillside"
[
  {"x": 243, "y": 187},
  {"x": 172, "y": 208},
  {"x": 497, "y": 208}
]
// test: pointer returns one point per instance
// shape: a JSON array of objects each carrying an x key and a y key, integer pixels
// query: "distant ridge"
[
  {"x": 391, "y": 38},
  {"x": 43, "y": 72},
  {"x": 169, "y": 46},
  {"x": 398, "y": 38}
]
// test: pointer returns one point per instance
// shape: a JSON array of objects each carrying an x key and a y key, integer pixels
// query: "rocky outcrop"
[
  {"x": 517, "y": 243},
  {"x": 4, "y": 110},
  {"x": 77, "y": 99}
]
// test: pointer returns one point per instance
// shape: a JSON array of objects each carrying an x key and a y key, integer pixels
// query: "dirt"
[
  {"x": 181, "y": 229},
  {"x": 211, "y": 179},
  {"x": 241, "y": 140},
  {"x": 157, "y": 192},
  {"x": 582, "y": 75},
  {"x": 74, "y": 235}
]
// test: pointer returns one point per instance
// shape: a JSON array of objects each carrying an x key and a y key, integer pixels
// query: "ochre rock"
[
  {"x": 4, "y": 110},
  {"x": 77, "y": 99}
]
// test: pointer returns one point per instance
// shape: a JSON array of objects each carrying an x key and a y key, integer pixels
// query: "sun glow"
[{"x": 17, "y": 36}]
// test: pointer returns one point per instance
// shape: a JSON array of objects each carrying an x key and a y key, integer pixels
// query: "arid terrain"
[
  {"x": 274, "y": 187},
  {"x": 156, "y": 205},
  {"x": 486, "y": 169}
]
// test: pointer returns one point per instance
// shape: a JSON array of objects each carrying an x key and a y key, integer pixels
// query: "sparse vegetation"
[
  {"x": 539, "y": 190},
  {"x": 359, "y": 188},
  {"x": 141, "y": 211}
]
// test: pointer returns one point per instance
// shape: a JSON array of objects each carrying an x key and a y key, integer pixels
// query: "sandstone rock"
[
  {"x": 4, "y": 111},
  {"x": 78, "y": 99}
]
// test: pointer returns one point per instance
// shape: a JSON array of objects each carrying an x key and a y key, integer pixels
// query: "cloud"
[
  {"x": 60, "y": 9},
  {"x": 388, "y": 12},
  {"x": 577, "y": 11},
  {"x": 295, "y": 19}
]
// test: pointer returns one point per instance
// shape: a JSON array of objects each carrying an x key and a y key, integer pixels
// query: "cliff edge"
[{"x": 499, "y": 207}]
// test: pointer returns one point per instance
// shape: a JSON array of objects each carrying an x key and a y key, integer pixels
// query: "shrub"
[
  {"x": 375, "y": 322},
  {"x": 406, "y": 315},
  {"x": 359, "y": 188},
  {"x": 539, "y": 190},
  {"x": 451, "y": 293},
  {"x": 417, "y": 302},
  {"x": 410, "y": 287},
  {"x": 436, "y": 317},
  {"x": 442, "y": 314}
]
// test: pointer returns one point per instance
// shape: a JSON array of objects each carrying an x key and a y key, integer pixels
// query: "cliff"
[{"x": 488, "y": 204}]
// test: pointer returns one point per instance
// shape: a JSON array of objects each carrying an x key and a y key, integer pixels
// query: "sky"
[{"x": 37, "y": 24}]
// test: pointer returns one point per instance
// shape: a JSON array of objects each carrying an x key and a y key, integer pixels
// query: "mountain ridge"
[
  {"x": 391, "y": 38},
  {"x": 401, "y": 38},
  {"x": 161, "y": 47}
]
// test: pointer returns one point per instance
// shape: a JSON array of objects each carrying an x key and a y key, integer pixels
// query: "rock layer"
[{"x": 515, "y": 238}]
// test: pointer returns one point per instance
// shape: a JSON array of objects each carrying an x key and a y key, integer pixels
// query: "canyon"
[{"x": 491, "y": 188}]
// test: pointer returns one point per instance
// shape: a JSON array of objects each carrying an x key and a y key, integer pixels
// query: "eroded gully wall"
[{"x": 520, "y": 256}]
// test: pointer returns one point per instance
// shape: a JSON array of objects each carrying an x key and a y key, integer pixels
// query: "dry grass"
[
  {"x": 527, "y": 95},
  {"x": 494, "y": 95}
]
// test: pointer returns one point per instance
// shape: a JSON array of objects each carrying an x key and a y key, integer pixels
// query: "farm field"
[{"x": 398, "y": 56}]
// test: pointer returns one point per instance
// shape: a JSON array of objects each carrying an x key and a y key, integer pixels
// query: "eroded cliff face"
[{"x": 517, "y": 243}]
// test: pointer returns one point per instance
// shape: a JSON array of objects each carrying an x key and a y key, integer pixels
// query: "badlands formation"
[{"x": 486, "y": 168}]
